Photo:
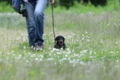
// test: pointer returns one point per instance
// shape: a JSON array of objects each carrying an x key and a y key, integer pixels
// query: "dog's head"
[{"x": 59, "y": 40}]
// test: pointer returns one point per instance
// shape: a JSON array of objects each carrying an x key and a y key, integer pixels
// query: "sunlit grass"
[{"x": 92, "y": 48}]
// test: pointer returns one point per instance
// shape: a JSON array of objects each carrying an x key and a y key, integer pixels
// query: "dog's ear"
[
  {"x": 63, "y": 39},
  {"x": 56, "y": 39}
]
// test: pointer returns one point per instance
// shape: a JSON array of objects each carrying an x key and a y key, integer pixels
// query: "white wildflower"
[
  {"x": 54, "y": 49},
  {"x": 116, "y": 42},
  {"x": 83, "y": 38},
  {"x": 90, "y": 52},
  {"x": 27, "y": 61},
  {"x": 66, "y": 55},
  {"x": 88, "y": 40},
  {"x": 8, "y": 53},
  {"x": 84, "y": 51},
  {"x": 33, "y": 55},
  {"x": 77, "y": 40},
  {"x": 112, "y": 52},
  {"x": 68, "y": 51},
  {"x": 51, "y": 33},
  {"x": 12, "y": 51},
  {"x": 41, "y": 56},
  {"x": 29, "y": 53},
  {"x": 40, "y": 59},
  {"x": 63, "y": 59},
  {"x": 90, "y": 56},
  {"x": 59, "y": 53},
  {"x": 76, "y": 55},
  {"x": 19, "y": 56},
  {"x": 81, "y": 62},
  {"x": 73, "y": 34},
  {"x": 50, "y": 59},
  {"x": 86, "y": 32},
  {"x": 69, "y": 37},
  {"x": 101, "y": 41},
  {"x": 36, "y": 59},
  {"x": 24, "y": 47}
]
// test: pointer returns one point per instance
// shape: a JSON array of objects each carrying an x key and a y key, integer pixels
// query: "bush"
[{"x": 5, "y": 7}]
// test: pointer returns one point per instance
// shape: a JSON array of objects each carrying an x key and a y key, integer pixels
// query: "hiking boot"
[{"x": 39, "y": 46}]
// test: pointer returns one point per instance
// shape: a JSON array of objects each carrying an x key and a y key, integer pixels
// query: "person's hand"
[{"x": 52, "y": 1}]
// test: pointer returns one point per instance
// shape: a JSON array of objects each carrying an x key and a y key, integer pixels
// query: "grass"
[{"x": 93, "y": 47}]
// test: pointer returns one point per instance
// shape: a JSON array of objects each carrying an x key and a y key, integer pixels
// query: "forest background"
[{"x": 80, "y": 6}]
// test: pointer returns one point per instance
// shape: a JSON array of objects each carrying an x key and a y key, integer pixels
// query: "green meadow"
[{"x": 92, "y": 36}]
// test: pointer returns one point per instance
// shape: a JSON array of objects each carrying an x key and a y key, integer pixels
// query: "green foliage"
[
  {"x": 4, "y": 7},
  {"x": 76, "y": 7},
  {"x": 81, "y": 8},
  {"x": 99, "y": 2}
]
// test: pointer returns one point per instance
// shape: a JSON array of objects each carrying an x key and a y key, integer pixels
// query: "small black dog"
[{"x": 59, "y": 42}]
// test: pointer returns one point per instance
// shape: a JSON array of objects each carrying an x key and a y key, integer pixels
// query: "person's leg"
[
  {"x": 30, "y": 20},
  {"x": 39, "y": 21}
]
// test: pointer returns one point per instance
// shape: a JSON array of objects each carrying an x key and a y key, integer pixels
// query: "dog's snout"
[{"x": 61, "y": 41}]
